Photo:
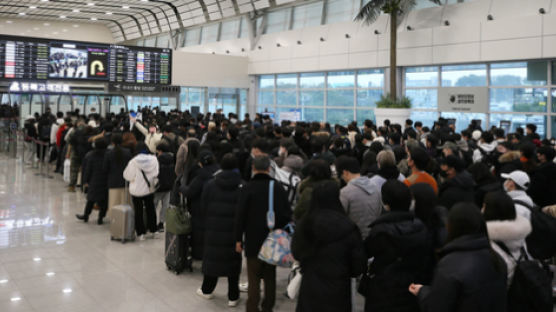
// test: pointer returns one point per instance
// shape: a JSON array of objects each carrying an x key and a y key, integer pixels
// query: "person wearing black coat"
[
  {"x": 470, "y": 275},
  {"x": 543, "y": 179},
  {"x": 251, "y": 220},
  {"x": 219, "y": 201},
  {"x": 330, "y": 249},
  {"x": 193, "y": 193},
  {"x": 115, "y": 161},
  {"x": 95, "y": 178},
  {"x": 166, "y": 179},
  {"x": 399, "y": 244},
  {"x": 459, "y": 186}
]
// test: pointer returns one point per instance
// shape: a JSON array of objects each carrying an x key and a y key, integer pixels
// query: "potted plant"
[
  {"x": 396, "y": 9},
  {"x": 395, "y": 110}
]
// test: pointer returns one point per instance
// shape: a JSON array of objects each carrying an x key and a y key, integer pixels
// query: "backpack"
[
  {"x": 173, "y": 144},
  {"x": 44, "y": 132},
  {"x": 531, "y": 287},
  {"x": 541, "y": 243},
  {"x": 289, "y": 181},
  {"x": 488, "y": 159},
  {"x": 166, "y": 177}
]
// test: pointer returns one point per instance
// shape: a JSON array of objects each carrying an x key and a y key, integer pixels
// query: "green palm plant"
[{"x": 396, "y": 9}]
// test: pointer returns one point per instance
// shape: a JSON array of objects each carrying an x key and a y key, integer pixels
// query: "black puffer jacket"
[
  {"x": 469, "y": 277},
  {"x": 336, "y": 255},
  {"x": 95, "y": 176},
  {"x": 543, "y": 185},
  {"x": 193, "y": 194},
  {"x": 166, "y": 173},
  {"x": 219, "y": 202},
  {"x": 115, "y": 162},
  {"x": 458, "y": 189},
  {"x": 399, "y": 244}
]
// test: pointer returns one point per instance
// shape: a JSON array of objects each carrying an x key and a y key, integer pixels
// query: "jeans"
[
  {"x": 164, "y": 199},
  {"x": 209, "y": 284},
  {"x": 146, "y": 203},
  {"x": 257, "y": 270}
]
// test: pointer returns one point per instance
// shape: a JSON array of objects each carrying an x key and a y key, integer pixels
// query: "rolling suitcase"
[
  {"x": 122, "y": 223},
  {"x": 177, "y": 253}
]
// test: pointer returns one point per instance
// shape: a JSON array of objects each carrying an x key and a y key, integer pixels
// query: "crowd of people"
[{"x": 424, "y": 218}]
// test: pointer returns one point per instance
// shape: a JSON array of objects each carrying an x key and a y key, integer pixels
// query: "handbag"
[
  {"x": 178, "y": 220},
  {"x": 152, "y": 186},
  {"x": 294, "y": 282},
  {"x": 276, "y": 249},
  {"x": 67, "y": 168}
]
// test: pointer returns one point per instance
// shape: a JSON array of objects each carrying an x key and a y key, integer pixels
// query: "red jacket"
[{"x": 61, "y": 130}]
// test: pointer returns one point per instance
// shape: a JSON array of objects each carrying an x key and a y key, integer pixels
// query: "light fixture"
[
  {"x": 3, "y": 281},
  {"x": 490, "y": 17},
  {"x": 348, "y": 36},
  {"x": 377, "y": 32},
  {"x": 21, "y": 13},
  {"x": 32, "y": 7},
  {"x": 67, "y": 290},
  {"x": 409, "y": 28},
  {"x": 44, "y": 0},
  {"x": 260, "y": 48},
  {"x": 37, "y": 259},
  {"x": 35, "y": 28},
  {"x": 446, "y": 23},
  {"x": 278, "y": 45},
  {"x": 299, "y": 42},
  {"x": 15, "y": 299},
  {"x": 9, "y": 22},
  {"x": 50, "y": 274},
  {"x": 75, "y": 25},
  {"x": 75, "y": 10},
  {"x": 125, "y": 7},
  {"x": 144, "y": 0},
  {"x": 242, "y": 49},
  {"x": 213, "y": 52},
  {"x": 94, "y": 18},
  {"x": 91, "y": 4},
  {"x": 62, "y": 16},
  {"x": 46, "y": 24},
  {"x": 321, "y": 39},
  {"x": 108, "y": 13},
  {"x": 542, "y": 11},
  {"x": 227, "y": 51}
]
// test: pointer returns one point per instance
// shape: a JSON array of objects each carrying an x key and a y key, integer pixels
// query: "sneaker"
[
  {"x": 243, "y": 287},
  {"x": 233, "y": 303},
  {"x": 142, "y": 237},
  {"x": 203, "y": 295}
]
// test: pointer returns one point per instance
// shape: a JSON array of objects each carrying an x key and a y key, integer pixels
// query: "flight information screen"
[{"x": 40, "y": 59}]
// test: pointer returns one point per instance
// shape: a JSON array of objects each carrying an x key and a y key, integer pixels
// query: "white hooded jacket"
[
  {"x": 519, "y": 195},
  {"x": 512, "y": 233},
  {"x": 138, "y": 187},
  {"x": 487, "y": 147}
]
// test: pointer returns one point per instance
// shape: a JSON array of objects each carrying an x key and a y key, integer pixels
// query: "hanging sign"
[{"x": 463, "y": 99}]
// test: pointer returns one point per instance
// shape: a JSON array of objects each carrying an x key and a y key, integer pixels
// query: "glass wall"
[{"x": 335, "y": 97}]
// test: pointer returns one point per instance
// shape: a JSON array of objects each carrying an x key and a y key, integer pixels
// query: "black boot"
[{"x": 84, "y": 218}]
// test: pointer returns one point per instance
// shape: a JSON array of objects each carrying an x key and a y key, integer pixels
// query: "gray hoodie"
[{"x": 361, "y": 200}]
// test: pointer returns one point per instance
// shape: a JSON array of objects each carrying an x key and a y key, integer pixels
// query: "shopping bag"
[{"x": 67, "y": 168}]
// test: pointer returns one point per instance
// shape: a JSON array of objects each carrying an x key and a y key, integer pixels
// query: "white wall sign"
[
  {"x": 293, "y": 115},
  {"x": 34, "y": 87},
  {"x": 463, "y": 99}
]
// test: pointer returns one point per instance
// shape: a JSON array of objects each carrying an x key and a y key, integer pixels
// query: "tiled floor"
[{"x": 51, "y": 262}]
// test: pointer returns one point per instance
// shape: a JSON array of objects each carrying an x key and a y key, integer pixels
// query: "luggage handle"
[{"x": 169, "y": 246}]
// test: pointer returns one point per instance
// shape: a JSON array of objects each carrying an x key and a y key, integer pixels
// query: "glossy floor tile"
[{"x": 51, "y": 262}]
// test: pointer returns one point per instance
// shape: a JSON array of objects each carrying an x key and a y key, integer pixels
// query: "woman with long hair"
[{"x": 329, "y": 248}]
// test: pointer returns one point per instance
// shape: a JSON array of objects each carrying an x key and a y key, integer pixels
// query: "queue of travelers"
[{"x": 420, "y": 218}]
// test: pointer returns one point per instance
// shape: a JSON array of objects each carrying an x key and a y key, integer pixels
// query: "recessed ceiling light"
[
  {"x": 144, "y": 0},
  {"x": 37, "y": 259},
  {"x": 108, "y": 13},
  {"x": 125, "y": 7},
  {"x": 3, "y": 281},
  {"x": 32, "y": 7},
  {"x": 9, "y": 22},
  {"x": 62, "y": 16},
  {"x": 14, "y": 299},
  {"x": 93, "y": 18},
  {"x": 75, "y": 25},
  {"x": 46, "y": 24},
  {"x": 90, "y": 4},
  {"x": 44, "y": 0},
  {"x": 49, "y": 274},
  {"x": 21, "y": 13},
  {"x": 67, "y": 290},
  {"x": 55, "y": 33},
  {"x": 64, "y": 30},
  {"x": 35, "y": 28},
  {"x": 75, "y": 10}
]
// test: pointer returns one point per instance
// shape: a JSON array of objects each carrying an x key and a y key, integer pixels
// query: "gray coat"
[{"x": 362, "y": 201}]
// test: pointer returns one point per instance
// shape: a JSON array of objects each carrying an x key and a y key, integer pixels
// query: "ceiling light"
[
  {"x": 32, "y": 7},
  {"x": 21, "y": 13},
  {"x": 90, "y": 4},
  {"x": 14, "y": 299},
  {"x": 108, "y": 13},
  {"x": 93, "y": 18},
  {"x": 4, "y": 281},
  {"x": 62, "y": 16},
  {"x": 9, "y": 22},
  {"x": 144, "y": 0},
  {"x": 75, "y": 25},
  {"x": 50, "y": 274},
  {"x": 67, "y": 290},
  {"x": 542, "y": 11},
  {"x": 35, "y": 28},
  {"x": 44, "y": 0},
  {"x": 75, "y": 10},
  {"x": 125, "y": 7},
  {"x": 46, "y": 24}
]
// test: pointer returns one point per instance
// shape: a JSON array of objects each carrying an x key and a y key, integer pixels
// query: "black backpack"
[
  {"x": 488, "y": 159},
  {"x": 45, "y": 132},
  {"x": 541, "y": 243},
  {"x": 531, "y": 287}
]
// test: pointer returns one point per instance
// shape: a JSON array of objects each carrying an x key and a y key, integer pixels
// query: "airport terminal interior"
[{"x": 213, "y": 92}]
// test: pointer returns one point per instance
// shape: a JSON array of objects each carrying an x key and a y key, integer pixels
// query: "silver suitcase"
[{"x": 122, "y": 223}]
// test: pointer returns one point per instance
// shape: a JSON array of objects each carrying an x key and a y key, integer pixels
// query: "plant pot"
[{"x": 395, "y": 115}]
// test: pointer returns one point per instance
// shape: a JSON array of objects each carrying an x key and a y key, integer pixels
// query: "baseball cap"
[
  {"x": 449, "y": 144},
  {"x": 519, "y": 177}
]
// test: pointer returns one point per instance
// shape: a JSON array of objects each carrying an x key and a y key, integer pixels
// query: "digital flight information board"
[{"x": 40, "y": 59}]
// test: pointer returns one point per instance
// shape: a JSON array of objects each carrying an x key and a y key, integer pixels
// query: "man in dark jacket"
[
  {"x": 400, "y": 248},
  {"x": 219, "y": 201},
  {"x": 96, "y": 181},
  {"x": 166, "y": 179},
  {"x": 459, "y": 185},
  {"x": 115, "y": 161},
  {"x": 543, "y": 179},
  {"x": 251, "y": 220}
]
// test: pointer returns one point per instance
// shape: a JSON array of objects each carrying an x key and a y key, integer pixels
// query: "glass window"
[
  {"x": 266, "y": 98},
  {"x": 210, "y": 33},
  {"x": 553, "y": 127},
  {"x": 65, "y": 104},
  {"x": 192, "y": 36},
  {"x": 339, "y": 116},
  {"x": 518, "y": 74},
  {"x": 163, "y": 41},
  {"x": 368, "y": 98},
  {"x": 463, "y": 120},
  {"x": 464, "y": 75},
  {"x": 520, "y": 120},
  {"x": 286, "y": 81},
  {"x": 278, "y": 21},
  {"x": 421, "y": 77},
  {"x": 423, "y": 4},
  {"x": 243, "y": 109},
  {"x": 341, "y": 10},
  {"x": 427, "y": 118},
  {"x": 554, "y": 73},
  {"x": 116, "y": 104},
  {"x": 307, "y": 15},
  {"x": 230, "y": 29},
  {"x": 266, "y": 82},
  {"x": 518, "y": 100},
  {"x": 364, "y": 114},
  {"x": 244, "y": 28},
  {"x": 340, "y": 98},
  {"x": 286, "y": 98},
  {"x": 423, "y": 98},
  {"x": 553, "y": 100},
  {"x": 150, "y": 42},
  {"x": 341, "y": 79},
  {"x": 312, "y": 114},
  {"x": 311, "y": 80},
  {"x": 372, "y": 78},
  {"x": 311, "y": 98}
]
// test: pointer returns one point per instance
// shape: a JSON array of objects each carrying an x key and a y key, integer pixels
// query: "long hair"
[
  {"x": 118, "y": 152},
  {"x": 193, "y": 147}
]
